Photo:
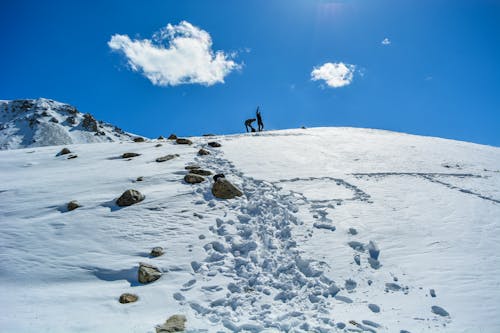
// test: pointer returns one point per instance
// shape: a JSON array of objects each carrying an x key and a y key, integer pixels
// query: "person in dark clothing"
[
  {"x": 259, "y": 120},
  {"x": 248, "y": 123}
]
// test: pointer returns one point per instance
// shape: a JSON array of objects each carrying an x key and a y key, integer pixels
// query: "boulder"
[
  {"x": 161, "y": 137},
  {"x": 191, "y": 167},
  {"x": 54, "y": 120},
  {"x": 148, "y": 273},
  {"x": 129, "y": 155},
  {"x": 70, "y": 157},
  {"x": 172, "y": 137},
  {"x": 72, "y": 205},
  {"x": 223, "y": 189},
  {"x": 219, "y": 175},
  {"x": 158, "y": 145},
  {"x": 182, "y": 141},
  {"x": 157, "y": 251},
  {"x": 176, "y": 323},
  {"x": 203, "y": 152},
  {"x": 130, "y": 197},
  {"x": 166, "y": 158},
  {"x": 193, "y": 179},
  {"x": 201, "y": 172},
  {"x": 128, "y": 298},
  {"x": 139, "y": 179},
  {"x": 374, "y": 250},
  {"x": 139, "y": 139},
  {"x": 64, "y": 151},
  {"x": 214, "y": 144}
]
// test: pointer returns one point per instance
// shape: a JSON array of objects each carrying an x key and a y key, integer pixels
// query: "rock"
[
  {"x": 439, "y": 311},
  {"x": 223, "y": 189},
  {"x": 64, "y": 151},
  {"x": 192, "y": 178},
  {"x": 350, "y": 284},
  {"x": 203, "y": 152},
  {"x": 432, "y": 292},
  {"x": 70, "y": 157},
  {"x": 156, "y": 251},
  {"x": 217, "y": 176},
  {"x": 209, "y": 134},
  {"x": 128, "y": 298},
  {"x": 130, "y": 197},
  {"x": 358, "y": 246},
  {"x": 181, "y": 141},
  {"x": 54, "y": 120},
  {"x": 352, "y": 231},
  {"x": 71, "y": 120},
  {"x": 72, "y": 205},
  {"x": 191, "y": 167},
  {"x": 172, "y": 137},
  {"x": 175, "y": 323},
  {"x": 139, "y": 139},
  {"x": 374, "y": 307},
  {"x": 89, "y": 122},
  {"x": 166, "y": 158},
  {"x": 139, "y": 179},
  {"x": 374, "y": 263},
  {"x": 148, "y": 273},
  {"x": 129, "y": 155},
  {"x": 161, "y": 137},
  {"x": 201, "y": 172},
  {"x": 214, "y": 144},
  {"x": 158, "y": 145},
  {"x": 373, "y": 250}
]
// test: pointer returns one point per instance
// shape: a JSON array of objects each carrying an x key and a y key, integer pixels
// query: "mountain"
[
  {"x": 44, "y": 122},
  {"x": 338, "y": 229}
]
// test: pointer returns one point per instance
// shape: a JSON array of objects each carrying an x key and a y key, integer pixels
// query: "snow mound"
[
  {"x": 337, "y": 229},
  {"x": 44, "y": 122}
]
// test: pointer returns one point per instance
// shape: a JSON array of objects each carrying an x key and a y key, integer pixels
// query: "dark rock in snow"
[
  {"x": 129, "y": 155},
  {"x": 175, "y": 323},
  {"x": 192, "y": 178},
  {"x": 439, "y": 311},
  {"x": 54, "y": 120},
  {"x": 350, "y": 284},
  {"x": 217, "y": 176},
  {"x": 191, "y": 167},
  {"x": 128, "y": 298},
  {"x": 203, "y": 152},
  {"x": 64, "y": 151},
  {"x": 223, "y": 189},
  {"x": 201, "y": 172},
  {"x": 374, "y": 307},
  {"x": 89, "y": 122},
  {"x": 214, "y": 144},
  {"x": 158, "y": 145},
  {"x": 357, "y": 259},
  {"x": 166, "y": 158},
  {"x": 172, "y": 137},
  {"x": 148, "y": 273},
  {"x": 373, "y": 250},
  {"x": 72, "y": 205},
  {"x": 70, "y": 157},
  {"x": 157, "y": 251},
  {"x": 432, "y": 292},
  {"x": 139, "y": 179},
  {"x": 374, "y": 263},
  {"x": 181, "y": 141},
  {"x": 358, "y": 246},
  {"x": 352, "y": 231},
  {"x": 139, "y": 139},
  {"x": 130, "y": 197},
  {"x": 161, "y": 137}
]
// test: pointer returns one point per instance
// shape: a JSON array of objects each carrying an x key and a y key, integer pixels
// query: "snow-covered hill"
[
  {"x": 298, "y": 252},
  {"x": 44, "y": 122}
]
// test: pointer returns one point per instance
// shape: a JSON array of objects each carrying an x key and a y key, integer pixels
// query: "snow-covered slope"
[
  {"x": 44, "y": 122},
  {"x": 283, "y": 257}
]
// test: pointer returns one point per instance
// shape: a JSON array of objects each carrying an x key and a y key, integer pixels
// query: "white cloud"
[
  {"x": 334, "y": 74},
  {"x": 386, "y": 41},
  {"x": 177, "y": 54}
]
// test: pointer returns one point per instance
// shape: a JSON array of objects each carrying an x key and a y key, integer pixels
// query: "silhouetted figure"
[
  {"x": 259, "y": 120},
  {"x": 248, "y": 123}
]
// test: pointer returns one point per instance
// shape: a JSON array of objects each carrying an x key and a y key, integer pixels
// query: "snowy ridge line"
[{"x": 430, "y": 176}]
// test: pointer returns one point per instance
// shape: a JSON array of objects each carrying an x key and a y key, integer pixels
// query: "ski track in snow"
[{"x": 255, "y": 270}]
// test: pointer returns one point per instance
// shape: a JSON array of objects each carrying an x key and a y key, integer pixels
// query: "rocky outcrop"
[
  {"x": 192, "y": 167},
  {"x": 157, "y": 251},
  {"x": 166, "y": 158},
  {"x": 72, "y": 205},
  {"x": 64, "y": 151},
  {"x": 172, "y": 137},
  {"x": 223, "y": 189},
  {"x": 192, "y": 178},
  {"x": 148, "y": 273},
  {"x": 129, "y": 197},
  {"x": 89, "y": 122},
  {"x": 201, "y": 172},
  {"x": 176, "y": 323},
  {"x": 214, "y": 144},
  {"x": 128, "y": 298},
  {"x": 182, "y": 141},
  {"x": 203, "y": 152},
  {"x": 139, "y": 139},
  {"x": 129, "y": 155}
]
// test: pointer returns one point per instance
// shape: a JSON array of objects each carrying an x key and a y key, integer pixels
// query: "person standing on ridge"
[
  {"x": 248, "y": 123},
  {"x": 259, "y": 120}
]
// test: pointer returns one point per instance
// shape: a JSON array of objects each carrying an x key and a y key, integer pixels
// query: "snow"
[{"x": 277, "y": 259}]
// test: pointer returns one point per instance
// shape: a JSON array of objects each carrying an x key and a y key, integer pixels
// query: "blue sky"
[{"x": 437, "y": 74}]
